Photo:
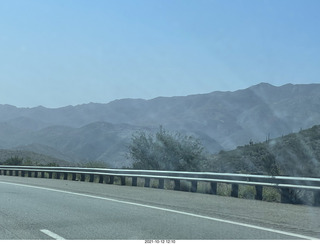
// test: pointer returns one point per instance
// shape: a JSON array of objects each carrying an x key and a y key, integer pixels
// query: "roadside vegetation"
[
  {"x": 296, "y": 154},
  {"x": 93, "y": 164},
  {"x": 166, "y": 151},
  {"x": 15, "y": 160}
]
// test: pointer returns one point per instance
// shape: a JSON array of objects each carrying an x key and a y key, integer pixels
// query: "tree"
[{"x": 166, "y": 151}]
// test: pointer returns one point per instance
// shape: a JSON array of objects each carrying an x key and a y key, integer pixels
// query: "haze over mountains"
[{"x": 101, "y": 132}]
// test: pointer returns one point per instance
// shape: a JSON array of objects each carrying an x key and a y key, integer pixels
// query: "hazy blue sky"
[{"x": 67, "y": 52}]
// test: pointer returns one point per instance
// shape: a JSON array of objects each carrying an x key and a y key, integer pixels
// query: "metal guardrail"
[{"x": 284, "y": 183}]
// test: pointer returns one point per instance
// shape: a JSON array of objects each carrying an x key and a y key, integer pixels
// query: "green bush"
[
  {"x": 14, "y": 161},
  {"x": 166, "y": 151}
]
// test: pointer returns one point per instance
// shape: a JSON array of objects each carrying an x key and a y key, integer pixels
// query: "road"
[{"x": 36, "y": 209}]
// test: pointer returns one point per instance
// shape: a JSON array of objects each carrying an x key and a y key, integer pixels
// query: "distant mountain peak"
[{"x": 263, "y": 85}]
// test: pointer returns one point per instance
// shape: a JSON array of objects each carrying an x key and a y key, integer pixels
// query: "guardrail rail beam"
[{"x": 287, "y": 185}]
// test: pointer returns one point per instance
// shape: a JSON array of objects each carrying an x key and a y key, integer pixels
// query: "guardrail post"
[
  {"x": 16, "y": 172},
  {"x": 234, "y": 190},
  {"x": 161, "y": 184},
  {"x": 134, "y": 181},
  {"x": 285, "y": 195},
  {"x": 36, "y": 174},
  {"x": 58, "y": 175},
  {"x": 100, "y": 178},
  {"x": 74, "y": 176},
  {"x": 194, "y": 186},
  {"x": 213, "y": 188},
  {"x": 177, "y": 185},
  {"x": 91, "y": 178},
  {"x": 316, "y": 195},
  {"x": 29, "y": 173},
  {"x": 42, "y": 174},
  {"x": 146, "y": 182},
  {"x": 50, "y": 175},
  {"x": 65, "y": 176},
  {"x": 82, "y": 177},
  {"x": 111, "y": 179},
  {"x": 123, "y": 180},
  {"x": 258, "y": 195},
  {"x": 22, "y": 173}
]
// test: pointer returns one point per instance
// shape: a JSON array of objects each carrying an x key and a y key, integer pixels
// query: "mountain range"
[{"x": 102, "y": 132}]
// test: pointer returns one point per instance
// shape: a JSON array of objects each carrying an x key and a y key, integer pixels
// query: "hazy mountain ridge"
[{"x": 224, "y": 120}]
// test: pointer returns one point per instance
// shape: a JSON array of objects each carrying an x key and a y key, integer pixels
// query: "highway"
[{"x": 46, "y": 209}]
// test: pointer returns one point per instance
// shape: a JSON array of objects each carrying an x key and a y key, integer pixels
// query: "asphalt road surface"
[{"x": 35, "y": 209}]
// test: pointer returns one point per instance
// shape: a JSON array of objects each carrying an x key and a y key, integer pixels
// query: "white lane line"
[
  {"x": 170, "y": 210},
  {"x": 51, "y": 234}
]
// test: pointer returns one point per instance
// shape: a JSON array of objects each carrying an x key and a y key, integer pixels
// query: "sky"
[{"x": 56, "y": 53}]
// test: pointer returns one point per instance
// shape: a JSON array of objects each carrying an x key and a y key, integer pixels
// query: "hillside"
[
  {"x": 296, "y": 154},
  {"x": 99, "y": 142},
  {"x": 221, "y": 120}
]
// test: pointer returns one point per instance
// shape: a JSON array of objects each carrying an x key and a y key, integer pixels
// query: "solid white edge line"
[
  {"x": 169, "y": 210},
  {"x": 51, "y": 234}
]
